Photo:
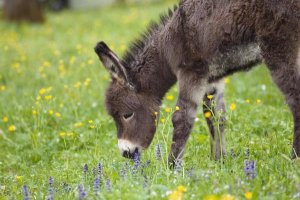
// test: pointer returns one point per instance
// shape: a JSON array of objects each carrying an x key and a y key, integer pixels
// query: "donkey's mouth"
[{"x": 131, "y": 155}]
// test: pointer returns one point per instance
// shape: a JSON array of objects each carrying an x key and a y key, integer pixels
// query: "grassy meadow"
[{"x": 54, "y": 124}]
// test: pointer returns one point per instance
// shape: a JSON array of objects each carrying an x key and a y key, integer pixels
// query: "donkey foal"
[{"x": 196, "y": 45}]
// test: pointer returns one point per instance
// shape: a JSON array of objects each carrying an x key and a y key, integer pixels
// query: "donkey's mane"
[{"x": 139, "y": 44}]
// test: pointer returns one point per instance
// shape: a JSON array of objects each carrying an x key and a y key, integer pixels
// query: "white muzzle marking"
[{"x": 126, "y": 145}]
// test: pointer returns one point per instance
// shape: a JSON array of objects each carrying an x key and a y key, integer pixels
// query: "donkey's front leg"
[{"x": 190, "y": 95}]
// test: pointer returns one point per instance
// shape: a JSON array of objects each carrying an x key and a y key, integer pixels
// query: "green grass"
[{"x": 58, "y": 56}]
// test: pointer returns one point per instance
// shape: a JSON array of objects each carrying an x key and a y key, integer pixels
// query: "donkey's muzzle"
[{"x": 128, "y": 154}]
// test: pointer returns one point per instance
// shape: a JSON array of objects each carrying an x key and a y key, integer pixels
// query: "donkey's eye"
[{"x": 128, "y": 116}]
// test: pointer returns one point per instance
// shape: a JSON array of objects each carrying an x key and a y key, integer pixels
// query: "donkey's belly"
[{"x": 237, "y": 58}]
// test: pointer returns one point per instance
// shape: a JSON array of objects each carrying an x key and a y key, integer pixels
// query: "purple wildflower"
[
  {"x": 95, "y": 171},
  {"x": 85, "y": 168},
  {"x": 247, "y": 153},
  {"x": 250, "y": 169},
  {"x": 100, "y": 168},
  {"x": 108, "y": 185},
  {"x": 123, "y": 173},
  {"x": 25, "y": 192},
  {"x": 145, "y": 183},
  {"x": 97, "y": 185},
  {"x": 81, "y": 192},
  {"x": 50, "y": 195},
  {"x": 232, "y": 153},
  {"x": 136, "y": 159},
  {"x": 158, "y": 152}
]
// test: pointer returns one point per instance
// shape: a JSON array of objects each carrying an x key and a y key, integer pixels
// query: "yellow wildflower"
[
  {"x": 78, "y": 124},
  {"x": 177, "y": 194},
  {"x": 227, "y": 197},
  {"x": 46, "y": 64},
  {"x": 50, "y": 112},
  {"x": 90, "y": 62},
  {"x": 77, "y": 85},
  {"x": 248, "y": 101},
  {"x": 38, "y": 98},
  {"x": 227, "y": 80},
  {"x": 57, "y": 114},
  {"x": 168, "y": 110},
  {"x": 48, "y": 97},
  {"x": 170, "y": 97},
  {"x": 72, "y": 60},
  {"x": 5, "y": 119},
  {"x": 62, "y": 134},
  {"x": 92, "y": 126},
  {"x": 19, "y": 178},
  {"x": 232, "y": 106},
  {"x": 71, "y": 134},
  {"x": 207, "y": 114},
  {"x": 42, "y": 91},
  {"x": 163, "y": 120},
  {"x": 2, "y": 87},
  {"x": 258, "y": 101},
  {"x": 211, "y": 197},
  {"x": 210, "y": 97},
  {"x": 34, "y": 112},
  {"x": 90, "y": 121},
  {"x": 181, "y": 188},
  {"x": 248, "y": 195},
  {"x": 177, "y": 108},
  {"x": 12, "y": 128}
]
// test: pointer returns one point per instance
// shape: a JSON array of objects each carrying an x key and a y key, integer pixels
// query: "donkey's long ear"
[{"x": 113, "y": 64}]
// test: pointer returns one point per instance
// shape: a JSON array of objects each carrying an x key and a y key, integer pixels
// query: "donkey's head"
[{"x": 133, "y": 111}]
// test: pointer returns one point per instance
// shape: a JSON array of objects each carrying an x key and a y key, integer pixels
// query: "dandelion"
[
  {"x": 97, "y": 185},
  {"x": 170, "y": 97},
  {"x": 210, "y": 97},
  {"x": 163, "y": 120},
  {"x": 50, "y": 112},
  {"x": 34, "y": 112},
  {"x": 258, "y": 101},
  {"x": 57, "y": 114},
  {"x": 250, "y": 169},
  {"x": 42, "y": 91},
  {"x": 177, "y": 108},
  {"x": 92, "y": 126},
  {"x": 85, "y": 168},
  {"x": 77, "y": 85},
  {"x": 5, "y": 119},
  {"x": 108, "y": 185},
  {"x": 62, "y": 134},
  {"x": 227, "y": 80},
  {"x": 211, "y": 197},
  {"x": 158, "y": 152},
  {"x": 227, "y": 197},
  {"x": 177, "y": 194},
  {"x": 48, "y": 97},
  {"x": 248, "y": 101},
  {"x": 12, "y": 128},
  {"x": 248, "y": 195},
  {"x": 168, "y": 110},
  {"x": 232, "y": 106},
  {"x": 90, "y": 121},
  {"x": 82, "y": 193},
  {"x": 2, "y": 87},
  {"x": 78, "y": 124},
  {"x": 19, "y": 178},
  {"x": 90, "y": 62},
  {"x": 70, "y": 134},
  {"x": 207, "y": 114},
  {"x": 136, "y": 159},
  {"x": 25, "y": 193}
]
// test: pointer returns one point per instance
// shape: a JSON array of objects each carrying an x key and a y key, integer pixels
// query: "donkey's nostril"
[{"x": 127, "y": 154}]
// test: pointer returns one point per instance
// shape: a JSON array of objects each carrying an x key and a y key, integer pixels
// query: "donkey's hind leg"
[
  {"x": 214, "y": 112},
  {"x": 284, "y": 65}
]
